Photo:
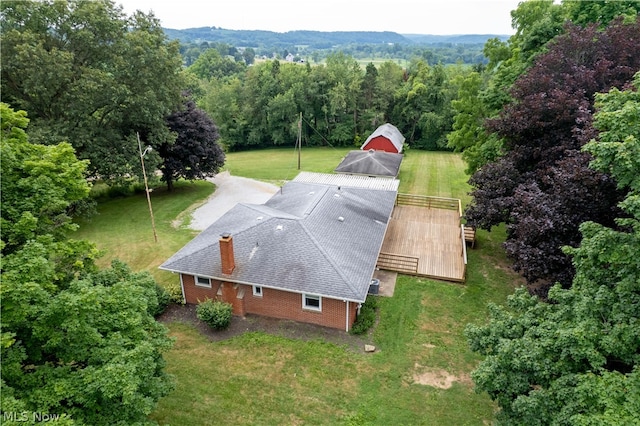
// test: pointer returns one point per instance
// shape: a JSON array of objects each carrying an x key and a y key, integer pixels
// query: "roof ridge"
[
  {"x": 382, "y": 165},
  {"x": 329, "y": 259}
]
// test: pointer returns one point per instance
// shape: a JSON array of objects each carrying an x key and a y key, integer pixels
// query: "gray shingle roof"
[
  {"x": 370, "y": 163},
  {"x": 390, "y": 132},
  {"x": 308, "y": 238}
]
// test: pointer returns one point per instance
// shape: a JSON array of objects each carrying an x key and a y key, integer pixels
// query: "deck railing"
[
  {"x": 464, "y": 244},
  {"x": 429, "y": 202}
]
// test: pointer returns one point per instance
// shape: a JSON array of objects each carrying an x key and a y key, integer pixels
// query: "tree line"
[
  {"x": 341, "y": 103},
  {"x": 448, "y": 53}
]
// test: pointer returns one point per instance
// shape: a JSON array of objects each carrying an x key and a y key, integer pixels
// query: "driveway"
[{"x": 230, "y": 190}]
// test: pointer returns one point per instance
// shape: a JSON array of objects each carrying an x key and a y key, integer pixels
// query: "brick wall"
[
  {"x": 194, "y": 293},
  {"x": 272, "y": 303}
]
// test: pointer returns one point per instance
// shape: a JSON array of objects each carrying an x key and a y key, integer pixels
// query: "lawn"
[
  {"x": 258, "y": 378},
  {"x": 279, "y": 165}
]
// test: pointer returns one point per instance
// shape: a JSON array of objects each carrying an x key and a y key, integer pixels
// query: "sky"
[{"x": 441, "y": 17}]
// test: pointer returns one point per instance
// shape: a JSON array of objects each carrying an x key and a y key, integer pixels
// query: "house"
[
  {"x": 370, "y": 163},
  {"x": 385, "y": 138},
  {"x": 308, "y": 254}
]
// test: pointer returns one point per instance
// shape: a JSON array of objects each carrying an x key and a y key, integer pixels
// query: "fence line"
[{"x": 429, "y": 202}]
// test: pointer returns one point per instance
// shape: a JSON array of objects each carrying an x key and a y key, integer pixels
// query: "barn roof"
[
  {"x": 370, "y": 163},
  {"x": 390, "y": 132},
  {"x": 316, "y": 238}
]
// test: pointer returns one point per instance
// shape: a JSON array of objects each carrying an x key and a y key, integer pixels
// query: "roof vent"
[
  {"x": 341, "y": 219},
  {"x": 279, "y": 228},
  {"x": 336, "y": 195},
  {"x": 259, "y": 218}
]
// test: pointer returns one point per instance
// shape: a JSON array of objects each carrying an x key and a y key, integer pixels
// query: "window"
[
  {"x": 257, "y": 290},
  {"x": 311, "y": 302},
  {"x": 203, "y": 282}
]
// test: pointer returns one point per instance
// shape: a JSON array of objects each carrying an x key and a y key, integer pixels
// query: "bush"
[
  {"x": 119, "y": 191},
  {"x": 367, "y": 317},
  {"x": 175, "y": 293},
  {"x": 216, "y": 314},
  {"x": 163, "y": 300}
]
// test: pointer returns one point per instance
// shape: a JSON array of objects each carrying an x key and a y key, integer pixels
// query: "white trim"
[
  {"x": 306, "y": 296},
  {"x": 184, "y": 297},
  {"x": 257, "y": 290},
  {"x": 197, "y": 278}
]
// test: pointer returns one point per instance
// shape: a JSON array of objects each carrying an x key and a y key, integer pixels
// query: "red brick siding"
[
  {"x": 194, "y": 294},
  {"x": 272, "y": 303},
  {"x": 380, "y": 143},
  {"x": 283, "y": 304}
]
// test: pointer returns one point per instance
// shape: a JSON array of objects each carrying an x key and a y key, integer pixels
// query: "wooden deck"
[{"x": 426, "y": 242}]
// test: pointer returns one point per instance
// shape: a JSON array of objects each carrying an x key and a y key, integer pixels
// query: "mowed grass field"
[{"x": 418, "y": 375}]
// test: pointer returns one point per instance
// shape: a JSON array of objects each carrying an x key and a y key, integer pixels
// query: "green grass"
[
  {"x": 278, "y": 165},
  {"x": 261, "y": 379},
  {"x": 122, "y": 228}
]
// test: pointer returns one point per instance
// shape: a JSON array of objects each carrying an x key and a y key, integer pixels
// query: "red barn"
[{"x": 385, "y": 138}]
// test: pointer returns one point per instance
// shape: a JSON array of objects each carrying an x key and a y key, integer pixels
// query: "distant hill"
[
  {"x": 455, "y": 38},
  {"x": 316, "y": 39}
]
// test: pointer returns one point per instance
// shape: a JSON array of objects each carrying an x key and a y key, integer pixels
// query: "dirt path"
[{"x": 230, "y": 190}]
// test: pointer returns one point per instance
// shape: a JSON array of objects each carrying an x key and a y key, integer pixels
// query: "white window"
[
  {"x": 311, "y": 302},
  {"x": 257, "y": 290},
  {"x": 203, "y": 282}
]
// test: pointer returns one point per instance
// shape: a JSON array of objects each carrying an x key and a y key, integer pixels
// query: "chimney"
[{"x": 226, "y": 254}]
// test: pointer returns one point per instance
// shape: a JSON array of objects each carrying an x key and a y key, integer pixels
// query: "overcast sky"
[{"x": 401, "y": 16}]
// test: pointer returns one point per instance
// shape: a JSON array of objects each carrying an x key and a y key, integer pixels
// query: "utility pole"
[
  {"x": 146, "y": 185},
  {"x": 299, "y": 142}
]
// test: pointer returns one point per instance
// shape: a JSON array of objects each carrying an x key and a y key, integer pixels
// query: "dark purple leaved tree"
[
  {"x": 542, "y": 187},
  {"x": 195, "y": 154}
]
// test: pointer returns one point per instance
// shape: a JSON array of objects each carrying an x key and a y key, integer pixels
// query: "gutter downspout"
[
  {"x": 184, "y": 298},
  {"x": 347, "y": 319}
]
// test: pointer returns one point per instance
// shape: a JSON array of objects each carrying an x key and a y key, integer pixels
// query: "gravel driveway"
[{"x": 230, "y": 190}]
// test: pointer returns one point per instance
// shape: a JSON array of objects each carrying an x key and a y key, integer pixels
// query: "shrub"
[
  {"x": 163, "y": 300},
  {"x": 119, "y": 191},
  {"x": 175, "y": 293},
  {"x": 215, "y": 313},
  {"x": 367, "y": 317}
]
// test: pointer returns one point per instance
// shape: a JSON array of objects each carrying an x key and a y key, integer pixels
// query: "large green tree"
[
  {"x": 76, "y": 342},
  {"x": 89, "y": 74},
  {"x": 40, "y": 184},
  {"x": 577, "y": 360}
]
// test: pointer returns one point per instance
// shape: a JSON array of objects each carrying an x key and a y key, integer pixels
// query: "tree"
[
  {"x": 423, "y": 108},
  {"x": 249, "y": 55},
  {"x": 90, "y": 75},
  {"x": 40, "y": 184},
  {"x": 195, "y": 154},
  {"x": 90, "y": 350},
  {"x": 75, "y": 340},
  {"x": 469, "y": 135},
  {"x": 542, "y": 187},
  {"x": 577, "y": 360},
  {"x": 211, "y": 64}
]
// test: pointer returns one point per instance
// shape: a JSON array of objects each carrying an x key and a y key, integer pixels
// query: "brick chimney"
[{"x": 226, "y": 254}]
